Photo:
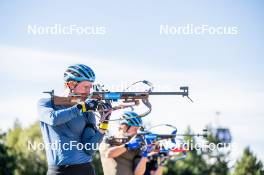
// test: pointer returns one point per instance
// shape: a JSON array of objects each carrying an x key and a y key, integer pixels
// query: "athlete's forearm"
[
  {"x": 141, "y": 167},
  {"x": 116, "y": 151},
  {"x": 159, "y": 171},
  {"x": 56, "y": 117}
]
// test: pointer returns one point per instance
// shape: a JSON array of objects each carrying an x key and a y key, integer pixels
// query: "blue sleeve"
[
  {"x": 55, "y": 117},
  {"x": 91, "y": 138}
]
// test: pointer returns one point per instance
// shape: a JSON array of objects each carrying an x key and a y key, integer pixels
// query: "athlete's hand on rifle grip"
[
  {"x": 105, "y": 110},
  {"x": 147, "y": 149},
  {"x": 134, "y": 143},
  {"x": 88, "y": 105}
]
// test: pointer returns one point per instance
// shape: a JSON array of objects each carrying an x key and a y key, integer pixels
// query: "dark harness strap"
[{"x": 91, "y": 125}]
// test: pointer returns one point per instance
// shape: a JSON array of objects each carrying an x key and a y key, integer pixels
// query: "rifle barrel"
[
  {"x": 168, "y": 93},
  {"x": 184, "y": 93}
]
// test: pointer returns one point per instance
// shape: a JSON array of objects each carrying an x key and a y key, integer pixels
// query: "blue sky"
[
  {"x": 224, "y": 72},
  {"x": 133, "y": 31}
]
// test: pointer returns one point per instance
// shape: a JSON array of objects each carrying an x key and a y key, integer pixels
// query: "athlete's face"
[{"x": 83, "y": 88}]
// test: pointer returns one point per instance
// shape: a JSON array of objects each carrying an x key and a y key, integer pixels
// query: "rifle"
[
  {"x": 147, "y": 138},
  {"x": 174, "y": 153},
  {"x": 162, "y": 155},
  {"x": 129, "y": 99},
  {"x": 150, "y": 139}
]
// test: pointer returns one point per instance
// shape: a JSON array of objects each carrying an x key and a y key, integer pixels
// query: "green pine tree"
[
  {"x": 28, "y": 161},
  {"x": 7, "y": 160},
  {"x": 248, "y": 164}
]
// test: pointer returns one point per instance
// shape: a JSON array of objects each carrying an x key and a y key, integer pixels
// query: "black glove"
[
  {"x": 105, "y": 110},
  {"x": 88, "y": 105}
]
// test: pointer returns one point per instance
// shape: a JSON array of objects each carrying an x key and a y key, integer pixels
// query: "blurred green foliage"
[
  {"x": 248, "y": 164},
  {"x": 17, "y": 159}
]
